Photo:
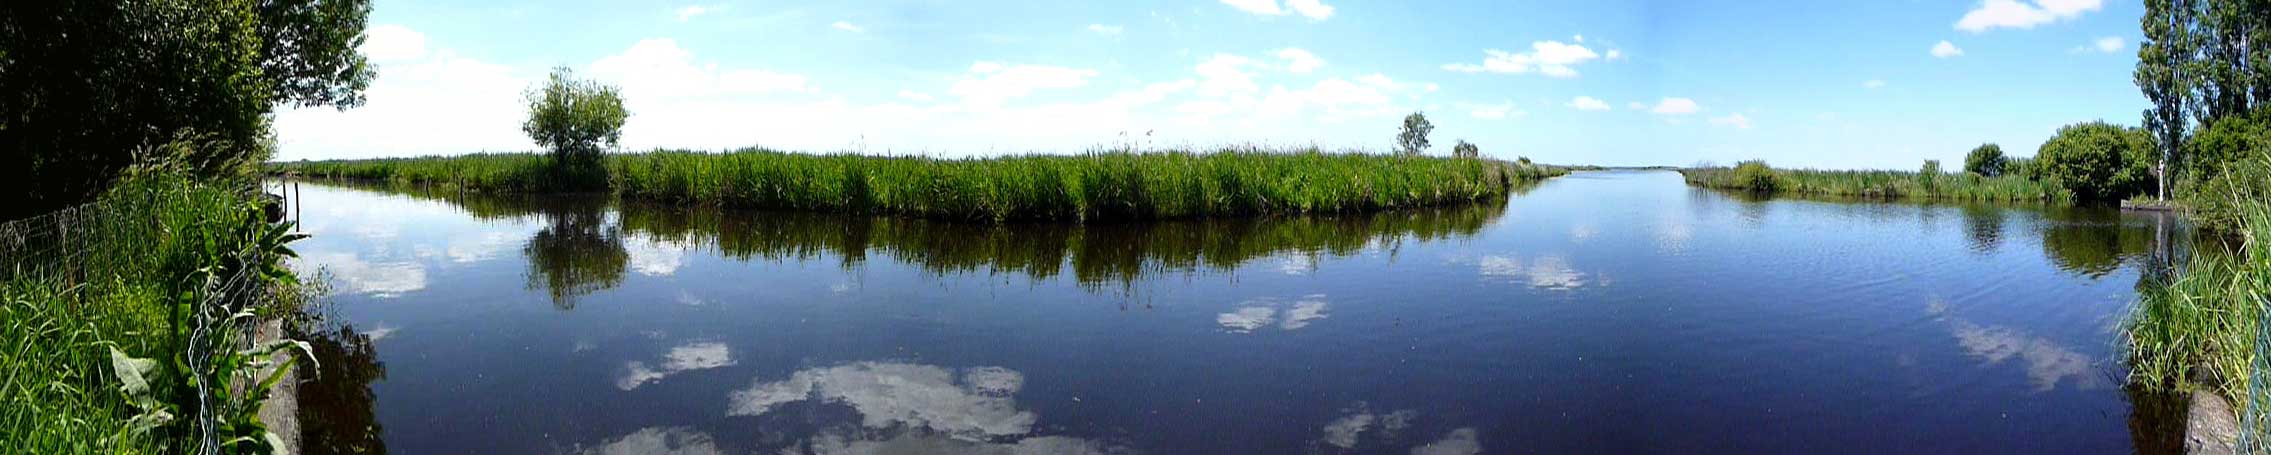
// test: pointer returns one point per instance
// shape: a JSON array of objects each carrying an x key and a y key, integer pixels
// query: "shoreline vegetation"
[
  {"x": 1754, "y": 176},
  {"x": 1100, "y": 186}
]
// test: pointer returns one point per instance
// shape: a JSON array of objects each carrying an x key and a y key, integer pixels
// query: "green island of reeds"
[
  {"x": 1095, "y": 186},
  {"x": 1755, "y": 176}
]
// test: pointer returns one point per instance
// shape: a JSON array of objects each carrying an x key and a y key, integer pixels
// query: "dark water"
[{"x": 1596, "y": 313}]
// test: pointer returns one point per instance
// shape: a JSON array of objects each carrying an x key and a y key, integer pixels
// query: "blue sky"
[{"x": 1798, "y": 83}]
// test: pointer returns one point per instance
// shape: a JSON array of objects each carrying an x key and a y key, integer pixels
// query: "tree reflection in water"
[{"x": 336, "y": 407}]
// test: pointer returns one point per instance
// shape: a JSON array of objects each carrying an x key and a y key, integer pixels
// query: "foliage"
[
  {"x": 98, "y": 328},
  {"x": 1987, "y": 160},
  {"x": 1873, "y": 184},
  {"x": 2230, "y": 175},
  {"x": 1755, "y": 175},
  {"x": 1468, "y": 150},
  {"x": 575, "y": 119},
  {"x": 2098, "y": 161},
  {"x": 1412, "y": 139},
  {"x": 1095, "y": 186},
  {"x": 88, "y": 82},
  {"x": 1929, "y": 176}
]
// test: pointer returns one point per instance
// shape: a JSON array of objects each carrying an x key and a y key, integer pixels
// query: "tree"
[
  {"x": 88, "y": 82},
  {"x": 1413, "y": 139},
  {"x": 575, "y": 119},
  {"x": 1466, "y": 150},
  {"x": 1929, "y": 176},
  {"x": 2098, "y": 161},
  {"x": 1987, "y": 160},
  {"x": 2161, "y": 60}
]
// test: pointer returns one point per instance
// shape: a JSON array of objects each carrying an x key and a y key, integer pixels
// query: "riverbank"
[
  {"x": 1103, "y": 186},
  {"x": 112, "y": 312},
  {"x": 1888, "y": 185}
]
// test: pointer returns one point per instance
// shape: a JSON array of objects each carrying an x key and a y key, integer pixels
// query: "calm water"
[{"x": 1613, "y": 312}]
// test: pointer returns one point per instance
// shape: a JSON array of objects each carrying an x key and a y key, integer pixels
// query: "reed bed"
[
  {"x": 1882, "y": 185},
  {"x": 1097, "y": 186},
  {"x": 2199, "y": 324}
]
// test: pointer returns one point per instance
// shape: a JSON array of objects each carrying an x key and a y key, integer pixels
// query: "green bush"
[
  {"x": 2230, "y": 168},
  {"x": 1987, "y": 160},
  {"x": 2098, "y": 161},
  {"x": 1754, "y": 175},
  {"x": 575, "y": 119}
]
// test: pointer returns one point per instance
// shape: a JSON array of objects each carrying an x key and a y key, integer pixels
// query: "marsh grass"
[
  {"x": 2202, "y": 326},
  {"x": 116, "y": 273},
  {"x": 1891, "y": 185},
  {"x": 1096, "y": 186}
]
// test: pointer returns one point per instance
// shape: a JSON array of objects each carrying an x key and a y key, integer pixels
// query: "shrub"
[
  {"x": 1987, "y": 160},
  {"x": 1469, "y": 150},
  {"x": 1755, "y": 176},
  {"x": 1929, "y": 175},
  {"x": 2229, "y": 168},
  {"x": 2022, "y": 167},
  {"x": 2098, "y": 161},
  {"x": 1412, "y": 140},
  {"x": 575, "y": 119}
]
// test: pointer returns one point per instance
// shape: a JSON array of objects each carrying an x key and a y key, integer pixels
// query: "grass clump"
[
  {"x": 1756, "y": 176},
  {"x": 1099, "y": 186}
]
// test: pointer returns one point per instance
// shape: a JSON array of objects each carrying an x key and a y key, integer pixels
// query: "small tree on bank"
[
  {"x": 2099, "y": 161},
  {"x": 1987, "y": 161},
  {"x": 1413, "y": 139},
  {"x": 575, "y": 119},
  {"x": 1466, "y": 150}
]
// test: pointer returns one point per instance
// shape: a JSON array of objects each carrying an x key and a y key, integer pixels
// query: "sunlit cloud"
[
  {"x": 887, "y": 394},
  {"x": 680, "y": 359},
  {"x": 1256, "y": 314},
  {"x": 356, "y": 276}
]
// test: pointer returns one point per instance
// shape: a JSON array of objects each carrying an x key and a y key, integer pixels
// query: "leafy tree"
[
  {"x": 1466, "y": 150},
  {"x": 89, "y": 82},
  {"x": 1987, "y": 160},
  {"x": 2162, "y": 59},
  {"x": 1413, "y": 139},
  {"x": 575, "y": 119},
  {"x": 2099, "y": 161}
]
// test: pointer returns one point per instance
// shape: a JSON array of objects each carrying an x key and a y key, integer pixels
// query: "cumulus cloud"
[
  {"x": 680, "y": 359},
  {"x": 1736, "y": 121},
  {"x": 1544, "y": 272},
  {"x": 887, "y": 395},
  {"x": 660, "y": 68},
  {"x": 1551, "y": 58},
  {"x": 2047, "y": 363},
  {"x": 1256, "y": 314},
  {"x": 655, "y": 257},
  {"x": 1300, "y": 61},
  {"x": 1107, "y": 30},
  {"x": 1312, "y": 9},
  {"x": 1675, "y": 106},
  {"x": 1587, "y": 103},
  {"x": 658, "y": 441},
  {"x": 2019, "y": 14},
  {"x": 1348, "y": 431},
  {"x": 357, "y": 276},
  {"x": 847, "y": 26},
  {"x": 1946, "y": 49},
  {"x": 392, "y": 43},
  {"x": 1226, "y": 74}
]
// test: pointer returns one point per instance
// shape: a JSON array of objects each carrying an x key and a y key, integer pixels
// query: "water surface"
[{"x": 1603, "y": 312}]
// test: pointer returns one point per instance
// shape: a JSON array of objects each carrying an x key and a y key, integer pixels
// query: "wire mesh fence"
[
  {"x": 119, "y": 239},
  {"x": 2255, "y": 412}
]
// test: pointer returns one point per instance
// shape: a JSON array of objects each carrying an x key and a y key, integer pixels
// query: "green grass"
[
  {"x": 2201, "y": 327},
  {"x": 1100, "y": 186},
  {"x": 1890, "y": 185},
  {"x": 118, "y": 279}
]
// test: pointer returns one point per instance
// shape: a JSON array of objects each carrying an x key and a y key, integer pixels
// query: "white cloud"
[
  {"x": 1614, "y": 55},
  {"x": 655, "y": 257},
  {"x": 680, "y": 359},
  {"x": 1246, "y": 319},
  {"x": 1223, "y": 74},
  {"x": 1299, "y": 60},
  {"x": 1258, "y": 313},
  {"x": 688, "y": 13},
  {"x": 1551, "y": 58},
  {"x": 2109, "y": 45},
  {"x": 1461, "y": 441},
  {"x": 1992, "y": 14},
  {"x": 1636, "y": 105},
  {"x": 992, "y": 83},
  {"x": 658, "y": 441},
  {"x": 393, "y": 43},
  {"x": 1587, "y": 103},
  {"x": 911, "y": 95},
  {"x": 1738, "y": 121},
  {"x": 378, "y": 279},
  {"x": 1107, "y": 30},
  {"x": 1873, "y": 84},
  {"x": 658, "y": 68},
  {"x": 847, "y": 26},
  {"x": 887, "y": 395},
  {"x": 1675, "y": 106},
  {"x": 1946, "y": 49},
  {"x": 1312, "y": 9}
]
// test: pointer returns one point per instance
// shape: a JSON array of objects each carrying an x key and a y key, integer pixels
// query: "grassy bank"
[
  {"x": 97, "y": 307},
  {"x": 1891, "y": 185},
  {"x": 2201, "y": 327},
  {"x": 1104, "y": 186}
]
